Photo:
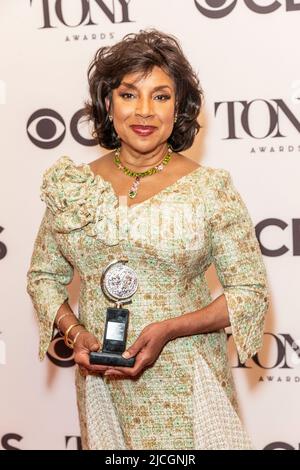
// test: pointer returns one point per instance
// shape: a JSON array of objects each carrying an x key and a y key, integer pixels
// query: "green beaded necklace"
[{"x": 139, "y": 175}]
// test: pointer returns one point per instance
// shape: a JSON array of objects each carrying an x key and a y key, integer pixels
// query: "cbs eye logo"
[
  {"x": 59, "y": 353},
  {"x": 215, "y": 9},
  {"x": 220, "y": 8},
  {"x": 3, "y": 249},
  {"x": 46, "y": 129},
  {"x": 278, "y": 445}
]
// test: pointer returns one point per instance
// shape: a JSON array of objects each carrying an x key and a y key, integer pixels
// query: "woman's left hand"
[{"x": 146, "y": 350}]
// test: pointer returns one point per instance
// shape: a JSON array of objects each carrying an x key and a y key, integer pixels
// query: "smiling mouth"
[{"x": 143, "y": 130}]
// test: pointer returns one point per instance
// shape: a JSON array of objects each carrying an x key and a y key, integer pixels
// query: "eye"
[
  {"x": 217, "y": 8},
  {"x": 162, "y": 97},
  {"x": 59, "y": 353},
  {"x": 46, "y": 128},
  {"x": 127, "y": 96}
]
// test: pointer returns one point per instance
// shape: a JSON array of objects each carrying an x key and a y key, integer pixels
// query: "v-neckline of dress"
[{"x": 149, "y": 199}]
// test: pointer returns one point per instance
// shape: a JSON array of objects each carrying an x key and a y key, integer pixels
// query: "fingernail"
[{"x": 126, "y": 354}]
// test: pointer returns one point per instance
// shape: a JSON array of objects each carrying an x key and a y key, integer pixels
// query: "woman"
[{"x": 170, "y": 218}]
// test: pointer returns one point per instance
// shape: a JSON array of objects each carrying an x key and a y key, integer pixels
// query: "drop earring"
[
  {"x": 110, "y": 117},
  {"x": 175, "y": 118}
]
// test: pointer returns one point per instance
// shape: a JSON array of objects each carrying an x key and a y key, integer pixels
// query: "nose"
[{"x": 144, "y": 107}]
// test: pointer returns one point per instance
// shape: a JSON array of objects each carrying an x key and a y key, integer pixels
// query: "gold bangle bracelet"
[
  {"x": 59, "y": 320},
  {"x": 76, "y": 336},
  {"x": 67, "y": 340}
]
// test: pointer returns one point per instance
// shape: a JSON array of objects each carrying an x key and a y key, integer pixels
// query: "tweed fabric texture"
[{"x": 170, "y": 240}]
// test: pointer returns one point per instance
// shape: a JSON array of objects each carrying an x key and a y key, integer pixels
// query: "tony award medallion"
[{"x": 119, "y": 284}]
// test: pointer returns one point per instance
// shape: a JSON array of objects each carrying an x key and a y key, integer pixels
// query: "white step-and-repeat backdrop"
[{"x": 246, "y": 55}]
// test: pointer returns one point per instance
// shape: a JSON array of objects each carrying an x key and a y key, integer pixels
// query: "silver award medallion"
[{"x": 119, "y": 283}]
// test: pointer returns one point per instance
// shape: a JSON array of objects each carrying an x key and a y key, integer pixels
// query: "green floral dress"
[{"x": 186, "y": 400}]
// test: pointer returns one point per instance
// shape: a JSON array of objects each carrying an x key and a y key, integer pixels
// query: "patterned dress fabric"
[{"x": 186, "y": 400}]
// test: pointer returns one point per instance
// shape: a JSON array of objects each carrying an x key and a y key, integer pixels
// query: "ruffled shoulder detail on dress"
[{"x": 78, "y": 199}]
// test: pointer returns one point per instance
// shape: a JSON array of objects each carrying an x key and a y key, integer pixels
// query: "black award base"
[
  {"x": 114, "y": 344},
  {"x": 111, "y": 359}
]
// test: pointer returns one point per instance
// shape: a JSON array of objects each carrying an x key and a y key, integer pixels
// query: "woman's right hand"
[{"x": 86, "y": 343}]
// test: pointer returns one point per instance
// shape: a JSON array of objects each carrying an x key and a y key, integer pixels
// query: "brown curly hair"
[{"x": 140, "y": 52}]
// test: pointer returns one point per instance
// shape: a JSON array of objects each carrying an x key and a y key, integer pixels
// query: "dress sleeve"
[
  {"x": 47, "y": 278},
  {"x": 237, "y": 257}
]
